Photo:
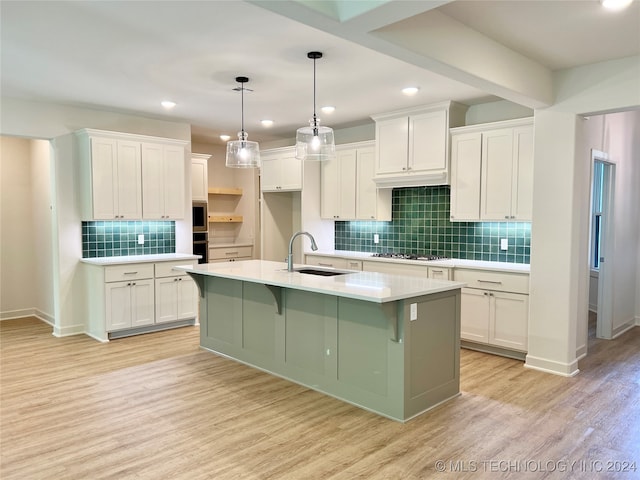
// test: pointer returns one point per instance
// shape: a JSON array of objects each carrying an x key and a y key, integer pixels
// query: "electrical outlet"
[
  {"x": 141, "y": 239},
  {"x": 376, "y": 238},
  {"x": 504, "y": 244}
]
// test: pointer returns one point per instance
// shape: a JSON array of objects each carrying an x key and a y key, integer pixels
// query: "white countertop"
[
  {"x": 161, "y": 257},
  {"x": 451, "y": 263},
  {"x": 368, "y": 286}
]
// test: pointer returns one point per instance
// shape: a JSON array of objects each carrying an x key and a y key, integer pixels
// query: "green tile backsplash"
[
  {"x": 420, "y": 224},
  {"x": 111, "y": 239}
]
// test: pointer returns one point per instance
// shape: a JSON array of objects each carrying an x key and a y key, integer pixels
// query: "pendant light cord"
[
  {"x": 242, "y": 108},
  {"x": 315, "y": 123}
]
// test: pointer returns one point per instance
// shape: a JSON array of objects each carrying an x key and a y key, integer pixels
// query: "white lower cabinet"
[
  {"x": 129, "y": 304},
  {"x": 137, "y": 297},
  {"x": 176, "y": 295},
  {"x": 491, "y": 315}
]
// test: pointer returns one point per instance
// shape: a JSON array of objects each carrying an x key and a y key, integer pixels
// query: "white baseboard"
[
  {"x": 552, "y": 366},
  {"x": 624, "y": 327},
  {"x": 68, "y": 331},
  {"x": 28, "y": 312},
  {"x": 593, "y": 308}
]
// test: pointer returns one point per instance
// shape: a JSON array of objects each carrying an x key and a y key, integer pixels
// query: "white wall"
[
  {"x": 560, "y": 227},
  {"x": 17, "y": 260},
  {"x": 47, "y": 121}
]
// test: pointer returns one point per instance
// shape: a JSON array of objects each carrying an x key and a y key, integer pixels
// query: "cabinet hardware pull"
[
  {"x": 490, "y": 281},
  {"x": 506, "y": 216},
  {"x": 436, "y": 271},
  {"x": 129, "y": 273},
  {"x": 231, "y": 253},
  {"x": 320, "y": 264}
]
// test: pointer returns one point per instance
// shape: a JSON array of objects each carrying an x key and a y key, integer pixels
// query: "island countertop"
[{"x": 368, "y": 286}]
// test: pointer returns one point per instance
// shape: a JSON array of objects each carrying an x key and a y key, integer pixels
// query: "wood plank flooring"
[{"x": 155, "y": 406}]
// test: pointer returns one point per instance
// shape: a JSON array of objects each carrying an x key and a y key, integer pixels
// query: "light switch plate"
[
  {"x": 413, "y": 311},
  {"x": 376, "y": 238},
  {"x": 504, "y": 244},
  {"x": 141, "y": 239}
]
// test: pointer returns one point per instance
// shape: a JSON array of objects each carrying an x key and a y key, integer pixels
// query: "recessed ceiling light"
[
  {"x": 328, "y": 109},
  {"x": 266, "y": 123},
  {"x": 615, "y": 4},
  {"x": 410, "y": 91},
  {"x": 168, "y": 104},
  {"x": 225, "y": 138}
]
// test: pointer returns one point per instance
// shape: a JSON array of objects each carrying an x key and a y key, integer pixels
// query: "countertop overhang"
[{"x": 367, "y": 286}]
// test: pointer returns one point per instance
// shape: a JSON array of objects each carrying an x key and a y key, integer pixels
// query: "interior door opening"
[{"x": 601, "y": 241}]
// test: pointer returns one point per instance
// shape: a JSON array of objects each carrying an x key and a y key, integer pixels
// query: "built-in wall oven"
[
  {"x": 201, "y": 246},
  {"x": 200, "y": 217},
  {"x": 200, "y": 231}
]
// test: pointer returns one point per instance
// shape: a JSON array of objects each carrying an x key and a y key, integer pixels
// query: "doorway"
[{"x": 603, "y": 175}]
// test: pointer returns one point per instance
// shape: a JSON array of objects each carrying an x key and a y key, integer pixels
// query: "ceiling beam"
[{"x": 417, "y": 33}]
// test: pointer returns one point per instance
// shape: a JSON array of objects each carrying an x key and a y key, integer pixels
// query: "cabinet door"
[
  {"x": 162, "y": 181},
  {"x": 330, "y": 189},
  {"x": 290, "y": 172},
  {"x": 366, "y": 190},
  {"x": 474, "y": 315},
  {"x": 166, "y": 299},
  {"x": 118, "y": 305},
  {"x": 522, "y": 190},
  {"x": 187, "y": 298},
  {"x": 104, "y": 177},
  {"x": 497, "y": 160},
  {"x": 347, "y": 185},
  {"x": 173, "y": 180},
  {"x": 392, "y": 143},
  {"x": 428, "y": 142},
  {"x": 508, "y": 325},
  {"x": 142, "y": 303},
  {"x": 152, "y": 181},
  {"x": 466, "y": 155},
  {"x": 270, "y": 173},
  {"x": 129, "y": 181},
  {"x": 199, "y": 180}
]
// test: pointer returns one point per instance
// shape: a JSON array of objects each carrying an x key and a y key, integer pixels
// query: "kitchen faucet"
[{"x": 314, "y": 247}]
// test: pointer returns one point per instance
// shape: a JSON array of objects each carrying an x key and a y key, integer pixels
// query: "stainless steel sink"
[{"x": 321, "y": 272}]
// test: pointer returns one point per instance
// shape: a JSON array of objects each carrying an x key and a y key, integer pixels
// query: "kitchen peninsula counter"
[{"x": 387, "y": 343}]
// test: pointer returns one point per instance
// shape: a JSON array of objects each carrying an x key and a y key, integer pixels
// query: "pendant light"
[
  {"x": 242, "y": 153},
  {"x": 315, "y": 142}
]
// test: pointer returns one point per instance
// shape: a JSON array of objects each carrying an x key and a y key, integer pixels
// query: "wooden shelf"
[
  {"x": 225, "y": 191},
  {"x": 225, "y": 219}
]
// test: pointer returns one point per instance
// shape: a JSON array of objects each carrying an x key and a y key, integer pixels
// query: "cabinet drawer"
[
  {"x": 165, "y": 269},
  {"x": 353, "y": 264},
  {"x": 230, "y": 252},
  {"x": 133, "y": 271},
  {"x": 491, "y": 280},
  {"x": 322, "y": 261}
]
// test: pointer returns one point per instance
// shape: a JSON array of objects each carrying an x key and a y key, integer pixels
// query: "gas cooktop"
[{"x": 409, "y": 256}]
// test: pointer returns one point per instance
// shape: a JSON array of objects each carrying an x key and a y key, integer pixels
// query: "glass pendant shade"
[
  {"x": 242, "y": 153},
  {"x": 315, "y": 143}
]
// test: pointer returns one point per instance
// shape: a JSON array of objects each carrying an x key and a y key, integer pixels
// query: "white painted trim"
[
  {"x": 552, "y": 366},
  {"x": 637, "y": 320},
  {"x": 623, "y": 328},
  {"x": 68, "y": 331},
  {"x": 95, "y": 337},
  {"x": 27, "y": 312},
  {"x": 581, "y": 353}
]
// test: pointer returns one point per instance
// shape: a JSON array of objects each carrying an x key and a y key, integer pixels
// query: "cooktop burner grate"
[{"x": 409, "y": 256}]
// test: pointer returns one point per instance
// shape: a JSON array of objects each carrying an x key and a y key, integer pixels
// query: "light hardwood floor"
[{"x": 157, "y": 407}]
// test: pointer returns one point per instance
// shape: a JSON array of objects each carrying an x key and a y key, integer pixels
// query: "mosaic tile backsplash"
[
  {"x": 112, "y": 239},
  {"x": 420, "y": 225}
]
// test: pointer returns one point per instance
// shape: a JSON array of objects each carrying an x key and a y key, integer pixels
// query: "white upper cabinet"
[
  {"x": 199, "y": 177},
  {"x": 281, "y": 171},
  {"x": 113, "y": 189},
  {"x": 124, "y": 176},
  {"x": 412, "y": 145},
  {"x": 348, "y": 190},
  {"x": 162, "y": 181},
  {"x": 492, "y": 171}
]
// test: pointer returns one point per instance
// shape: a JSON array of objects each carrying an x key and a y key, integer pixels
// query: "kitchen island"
[{"x": 387, "y": 343}]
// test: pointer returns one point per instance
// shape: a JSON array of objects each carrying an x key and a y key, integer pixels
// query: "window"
[{"x": 596, "y": 213}]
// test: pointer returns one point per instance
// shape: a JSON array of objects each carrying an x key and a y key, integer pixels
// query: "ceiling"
[{"x": 128, "y": 56}]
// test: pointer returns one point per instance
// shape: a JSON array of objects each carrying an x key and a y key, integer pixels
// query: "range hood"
[{"x": 411, "y": 180}]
